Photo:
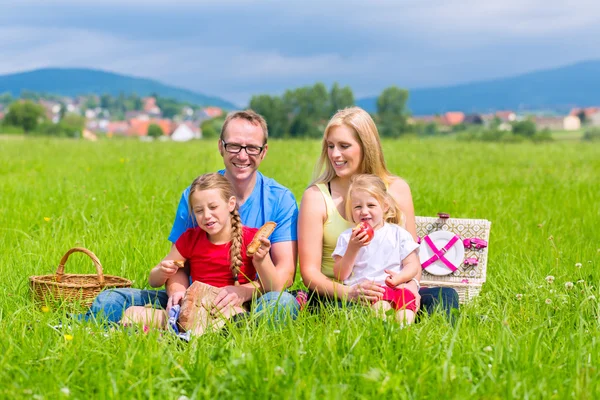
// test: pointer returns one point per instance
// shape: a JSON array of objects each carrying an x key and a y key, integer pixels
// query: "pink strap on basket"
[
  {"x": 477, "y": 243},
  {"x": 438, "y": 254}
]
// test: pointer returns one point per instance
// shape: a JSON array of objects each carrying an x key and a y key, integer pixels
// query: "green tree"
[
  {"x": 26, "y": 115},
  {"x": 274, "y": 111},
  {"x": 340, "y": 98},
  {"x": 72, "y": 125},
  {"x": 211, "y": 128},
  {"x": 6, "y": 98},
  {"x": 155, "y": 131},
  {"x": 525, "y": 128},
  {"x": 392, "y": 112}
]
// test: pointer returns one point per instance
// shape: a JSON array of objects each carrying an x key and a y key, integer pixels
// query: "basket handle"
[{"x": 61, "y": 267}]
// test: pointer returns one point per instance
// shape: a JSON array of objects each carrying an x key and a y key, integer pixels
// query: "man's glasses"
[{"x": 236, "y": 148}]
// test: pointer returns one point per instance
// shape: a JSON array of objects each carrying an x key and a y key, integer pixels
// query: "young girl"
[
  {"x": 389, "y": 258},
  {"x": 215, "y": 252}
]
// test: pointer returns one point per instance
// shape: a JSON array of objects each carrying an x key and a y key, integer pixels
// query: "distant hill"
[
  {"x": 80, "y": 81},
  {"x": 555, "y": 89}
]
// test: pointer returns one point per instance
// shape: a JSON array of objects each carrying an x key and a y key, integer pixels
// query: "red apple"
[{"x": 365, "y": 227}]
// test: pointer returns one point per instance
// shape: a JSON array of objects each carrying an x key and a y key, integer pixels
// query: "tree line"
[{"x": 305, "y": 111}]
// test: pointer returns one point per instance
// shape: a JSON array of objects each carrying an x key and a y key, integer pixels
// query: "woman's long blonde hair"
[
  {"x": 374, "y": 186},
  {"x": 366, "y": 134},
  {"x": 219, "y": 182}
]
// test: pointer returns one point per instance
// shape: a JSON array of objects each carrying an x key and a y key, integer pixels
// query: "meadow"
[{"x": 526, "y": 336}]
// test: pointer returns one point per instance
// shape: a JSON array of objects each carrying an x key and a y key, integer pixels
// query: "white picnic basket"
[{"x": 466, "y": 280}]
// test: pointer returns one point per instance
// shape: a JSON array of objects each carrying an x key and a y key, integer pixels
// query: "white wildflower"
[
  {"x": 548, "y": 301},
  {"x": 581, "y": 281},
  {"x": 183, "y": 398},
  {"x": 279, "y": 370},
  {"x": 550, "y": 279},
  {"x": 65, "y": 391},
  {"x": 337, "y": 331},
  {"x": 568, "y": 285},
  {"x": 592, "y": 297},
  {"x": 487, "y": 348},
  {"x": 519, "y": 296},
  {"x": 578, "y": 265}
]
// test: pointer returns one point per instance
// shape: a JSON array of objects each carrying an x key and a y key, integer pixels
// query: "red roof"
[
  {"x": 213, "y": 111},
  {"x": 589, "y": 111},
  {"x": 453, "y": 118},
  {"x": 139, "y": 127}
]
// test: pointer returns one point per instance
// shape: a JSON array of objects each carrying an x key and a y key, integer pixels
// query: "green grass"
[{"x": 118, "y": 199}]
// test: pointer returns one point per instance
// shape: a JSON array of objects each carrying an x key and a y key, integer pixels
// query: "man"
[{"x": 243, "y": 146}]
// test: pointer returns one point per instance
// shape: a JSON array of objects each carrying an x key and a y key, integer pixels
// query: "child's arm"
[
  {"x": 410, "y": 269},
  {"x": 166, "y": 269},
  {"x": 342, "y": 267},
  {"x": 266, "y": 269}
]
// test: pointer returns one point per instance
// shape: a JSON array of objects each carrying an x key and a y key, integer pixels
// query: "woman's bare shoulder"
[{"x": 399, "y": 185}]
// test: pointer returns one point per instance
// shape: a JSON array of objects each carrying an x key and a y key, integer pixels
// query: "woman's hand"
[
  {"x": 175, "y": 299},
  {"x": 366, "y": 291},
  {"x": 263, "y": 251}
]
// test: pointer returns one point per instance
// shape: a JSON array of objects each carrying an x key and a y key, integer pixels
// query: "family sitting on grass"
[{"x": 340, "y": 265}]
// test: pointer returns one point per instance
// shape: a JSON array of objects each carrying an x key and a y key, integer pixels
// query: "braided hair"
[{"x": 219, "y": 182}]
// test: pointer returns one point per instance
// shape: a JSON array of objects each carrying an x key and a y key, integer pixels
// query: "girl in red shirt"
[{"x": 215, "y": 252}]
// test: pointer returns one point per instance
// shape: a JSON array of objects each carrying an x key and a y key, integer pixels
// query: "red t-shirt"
[{"x": 209, "y": 263}]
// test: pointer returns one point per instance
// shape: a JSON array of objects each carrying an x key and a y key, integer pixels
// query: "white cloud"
[{"x": 244, "y": 47}]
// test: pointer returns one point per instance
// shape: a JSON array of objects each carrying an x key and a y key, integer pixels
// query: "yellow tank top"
[{"x": 332, "y": 228}]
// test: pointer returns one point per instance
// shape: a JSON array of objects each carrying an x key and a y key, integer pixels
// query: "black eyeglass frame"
[{"x": 225, "y": 145}]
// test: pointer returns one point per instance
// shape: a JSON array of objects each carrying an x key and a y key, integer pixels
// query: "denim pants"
[
  {"x": 432, "y": 299},
  {"x": 112, "y": 303}
]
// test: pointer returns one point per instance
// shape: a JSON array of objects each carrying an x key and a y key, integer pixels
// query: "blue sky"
[{"x": 234, "y": 49}]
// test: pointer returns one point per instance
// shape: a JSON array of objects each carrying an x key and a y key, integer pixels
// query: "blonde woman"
[{"x": 351, "y": 146}]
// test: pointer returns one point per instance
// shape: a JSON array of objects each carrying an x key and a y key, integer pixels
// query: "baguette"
[{"x": 264, "y": 232}]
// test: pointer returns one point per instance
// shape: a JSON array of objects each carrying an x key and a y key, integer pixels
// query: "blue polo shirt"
[{"x": 269, "y": 201}]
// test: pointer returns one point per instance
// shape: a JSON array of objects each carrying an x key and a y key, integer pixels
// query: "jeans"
[
  {"x": 111, "y": 304},
  {"x": 443, "y": 298},
  {"x": 432, "y": 299}
]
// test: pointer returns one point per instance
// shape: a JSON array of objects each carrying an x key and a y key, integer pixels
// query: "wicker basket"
[
  {"x": 74, "y": 288},
  {"x": 467, "y": 281}
]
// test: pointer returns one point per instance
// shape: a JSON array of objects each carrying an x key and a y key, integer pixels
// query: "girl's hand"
[
  {"x": 175, "y": 299},
  {"x": 168, "y": 268},
  {"x": 229, "y": 296},
  {"x": 392, "y": 279},
  {"x": 263, "y": 250},
  {"x": 358, "y": 239},
  {"x": 366, "y": 291}
]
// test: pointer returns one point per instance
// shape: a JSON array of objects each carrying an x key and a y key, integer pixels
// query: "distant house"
[
  {"x": 213, "y": 112},
  {"x": 594, "y": 119},
  {"x": 150, "y": 106},
  {"x": 139, "y": 127},
  {"x": 118, "y": 128},
  {"x": 588, "y": 111},
  {"x": 551, "y": 123},
  {"x": 452, "y": 118},
  {"x": 186, "y": 131},
  {"x": 473, "y": 119},
  {"x": 137, "y": 115},
  {"x": 571, "y": 123},
  {"x": 506, "y": 116}
]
